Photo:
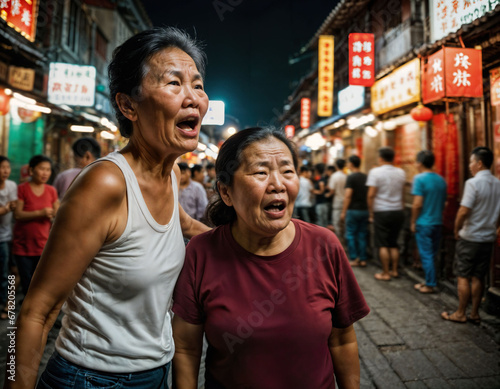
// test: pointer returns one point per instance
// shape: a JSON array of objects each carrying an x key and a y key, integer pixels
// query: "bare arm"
[
  {"x": 22, "y": 215},
  {"x": 347, "y": 202},
  {"x": 462, "y": 214},
  {"x": 321, "y": 189},
  {"x": 344, "y": 350},
  {"x": 9, "y": 207},
  {"x": 188, "y": 339},
  {"x": 372, "y": 192},
  {"x": 416, "y": 208},
  {"x": 92, "y": 214}
]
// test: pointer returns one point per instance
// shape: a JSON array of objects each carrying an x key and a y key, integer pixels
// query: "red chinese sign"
[
  {"x": 325, "y": 75},
  {"x": 20, "y": 15},
  {"x": 290, "y": 131},
  {"x": 305, "y": 112},
  {"x": 361, "y": 59},
  {"x": 495, "y": 86},
  {"x": 453, "y": 72}
]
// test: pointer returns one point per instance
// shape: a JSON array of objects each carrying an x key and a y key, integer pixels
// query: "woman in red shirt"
[{"x": 37, "y": 205}]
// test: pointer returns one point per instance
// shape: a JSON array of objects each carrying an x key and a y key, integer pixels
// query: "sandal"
[
  {"x": 422, "y": 288},
  {"x": 475, "y": 321},
  {"x": 382, "y": 277},
  {"x": 448, "y": 317}
]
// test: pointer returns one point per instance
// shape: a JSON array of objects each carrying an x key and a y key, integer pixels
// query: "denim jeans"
[
  {"x": 4, "y": 270},
  {"x": 356, "y": 224},
  {"x": 303, "y": 213},
  {"x": 428, "y": 238},
  {"x": 322, "y": 214},
  {"x": 62, "y": 374}
]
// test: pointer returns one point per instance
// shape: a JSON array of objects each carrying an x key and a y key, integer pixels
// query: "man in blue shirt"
[{"x": 429, "y": 190}]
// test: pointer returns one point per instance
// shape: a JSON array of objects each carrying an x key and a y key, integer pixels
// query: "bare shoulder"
[{"x": 102, "y": 179}]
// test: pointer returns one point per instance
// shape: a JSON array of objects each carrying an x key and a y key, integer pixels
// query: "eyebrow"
[
  {"x": 178, "y": 74},
  {"x": 284, "y": 162}
]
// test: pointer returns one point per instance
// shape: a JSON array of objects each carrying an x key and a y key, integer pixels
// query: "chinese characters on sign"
[
  {"x": 452, "y": 72},
  {"x": 21, "y": 78},
  {"x": 325, "y": 75},
  {"x": 448, "y": 16},
  {"x": 71, "y": 84},
  {"x": 20, "y": 15},
  {"x": 361, "y": 59},
  {"x": 398, "y": 89},
  {"x": 305, "y": 112},
  {"x": 495, "y": 86}
]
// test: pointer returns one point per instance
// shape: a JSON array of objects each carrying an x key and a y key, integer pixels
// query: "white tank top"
[{"x": 118, "y": 319}]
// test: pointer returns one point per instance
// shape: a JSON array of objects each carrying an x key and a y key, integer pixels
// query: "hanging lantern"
[
  {"x": 4, "y": 102},
  {"x": 421, "y": 113}
]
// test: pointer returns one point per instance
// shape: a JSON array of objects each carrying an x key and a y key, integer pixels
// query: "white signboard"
[
  {"x": 71, "y": 84},
  {"x": 448, "y": 16},
  {"x": 215, "y": 113},
  {"x": 351, "y": 99}
]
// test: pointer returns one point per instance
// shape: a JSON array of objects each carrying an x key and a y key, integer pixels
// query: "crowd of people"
[
  {"x": 270, "y": 293},
  {"x": 378, "y": 198}
]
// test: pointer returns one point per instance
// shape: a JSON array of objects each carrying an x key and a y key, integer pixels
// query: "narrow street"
[{"x": 403, "y": 342}]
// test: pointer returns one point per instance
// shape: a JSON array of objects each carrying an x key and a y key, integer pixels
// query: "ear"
[
  {"x": 126, "y": 106},
  {"x": 88, "y": 157},
  {"x": 225, "y": 194}
]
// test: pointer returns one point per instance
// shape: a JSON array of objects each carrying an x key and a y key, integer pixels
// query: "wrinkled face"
[
  {"x": 40, "y": 174},
  {"x": 474, "y": 165},
  {"x": 264, "y": 188},
  {"x": 171, "y": 104},
  {"x": 4, "y": 170}
]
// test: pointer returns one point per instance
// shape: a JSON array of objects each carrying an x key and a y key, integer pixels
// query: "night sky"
[{"x": 248, "y": 46}]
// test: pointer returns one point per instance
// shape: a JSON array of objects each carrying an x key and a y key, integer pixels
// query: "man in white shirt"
[
  {"x": 336, "y": 184},
  {"x": 476, "y": 228},
  {"x": 303, "y": 202},
  {"x": 386, "y": 208}
]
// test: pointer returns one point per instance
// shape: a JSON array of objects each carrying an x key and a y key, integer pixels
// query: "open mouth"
[
  {"x": 189, "y": 123},
  {"x": 276, "y": 206}
]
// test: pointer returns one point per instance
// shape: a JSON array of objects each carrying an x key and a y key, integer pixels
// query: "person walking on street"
[
  {"x": 85, "y": 151},
  {"x": 8, "y": 200},
  {"x": 429, "y": 191},
  {"x": 336, "y": 184},
  {"x": 303, "y": 203},
  {"x": 476, "y": 227},
  {"x": 355, "y": 213},
  {"x": 385, "y": 205},
  {"x": 192, "y": 195},
  {"x": 320, "y": 190},
  {"x": 37, "y": 205}
]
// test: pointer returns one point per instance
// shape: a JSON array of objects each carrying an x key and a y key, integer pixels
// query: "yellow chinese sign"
[
  {"x": 325, "y": 75},
  {"x": 398, "y": 89}
]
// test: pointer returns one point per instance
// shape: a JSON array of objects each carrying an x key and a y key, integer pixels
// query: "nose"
[
  {"x": 191, "y": 99},
  {"x": 276, "y": 183}
]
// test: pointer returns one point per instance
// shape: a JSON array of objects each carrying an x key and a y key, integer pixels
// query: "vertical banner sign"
[
  {"x": 290, "y": 131},
  {"x": 305, "y": 112},
  {"x": 325, "y": 75},
  {"x": 433, "y": 78},
  {"x": 361, "y": 59},
  {"x": 463, "y": 72},
  {"x": 21, "y": 16},
  {"x": 495, "y": 86}
]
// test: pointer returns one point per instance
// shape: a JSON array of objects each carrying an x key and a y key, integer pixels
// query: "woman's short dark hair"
[
  {"x": 355, "y": 160},
  {"x": 320, "y": 168},
  {"x": 229, "y": 160},
  {"x": 38, "y": 159},
  {"x": 340, "y": 163},
  {"x": 3, "y": 158},
  {"x": 483, "y": 154},
  {"x": 426, "y": 158},
  {"x": 82, "y": 145},
  {"x": 386, "y": 153},
  {"x": 128, "y": 66}
]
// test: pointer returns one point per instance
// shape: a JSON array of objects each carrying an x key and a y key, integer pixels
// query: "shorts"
[
  {"x": 472, "y": 259},
  {"x": 387, "y": 226}
]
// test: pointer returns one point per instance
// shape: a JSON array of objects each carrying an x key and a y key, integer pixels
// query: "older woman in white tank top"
[{"x": 116, "y": 247}]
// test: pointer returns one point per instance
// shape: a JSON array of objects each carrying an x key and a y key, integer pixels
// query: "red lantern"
[
  {"x": 421, "y": 113},
  {"x": 4, "y": 102}
]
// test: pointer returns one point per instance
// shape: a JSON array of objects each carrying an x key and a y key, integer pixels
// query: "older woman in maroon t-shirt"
[{"x": 276, "y": 299}]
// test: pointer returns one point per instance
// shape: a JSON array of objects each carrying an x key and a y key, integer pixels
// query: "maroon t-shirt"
[{"x": 268, "y": 319}]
